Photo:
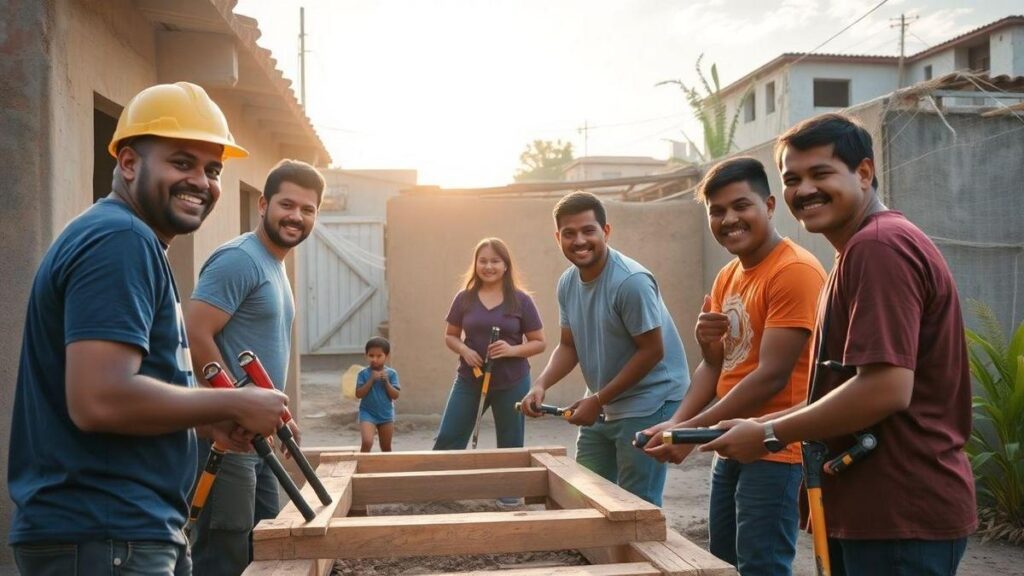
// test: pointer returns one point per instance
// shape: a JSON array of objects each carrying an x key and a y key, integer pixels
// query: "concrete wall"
[
  {"x": 867, "y": 82},
  {"x": 364, "y": 192},
  {"x": 765, "y": 126},
  {"x": 942, "y": 63},
  {"x": 430, "y": 244}
]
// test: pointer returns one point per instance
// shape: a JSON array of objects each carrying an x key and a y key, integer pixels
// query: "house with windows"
[{"x": 795, "y": 86}]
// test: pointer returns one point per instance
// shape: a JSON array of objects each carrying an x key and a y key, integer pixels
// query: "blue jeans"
[
  {"x": 895, "y": 557},
  {"x": 460, "y": 414},
  {"x": 103, "y": 558},
  {"x": 244, "y": 493},
  {"x": 754, "y": 518},
  {"x": 607, "y": 448}
]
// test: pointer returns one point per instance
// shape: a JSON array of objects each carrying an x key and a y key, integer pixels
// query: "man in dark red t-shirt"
[{"x": 894, "y": 320}]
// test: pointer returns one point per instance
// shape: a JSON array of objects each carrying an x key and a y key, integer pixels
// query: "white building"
[
  {"x": 606, "y": 167},
  {"x": 796, "y": 86}
]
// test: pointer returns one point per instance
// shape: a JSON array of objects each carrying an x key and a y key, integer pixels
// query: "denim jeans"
[
  {"x": 607, "y": 448},
  {"x": 461, "y": 410},
  {"x": 895, "y": 557},
  {"x": 244, "y": 493},
  {"x": 754, "y": 518},
  {"x": 103, "y": 558}
]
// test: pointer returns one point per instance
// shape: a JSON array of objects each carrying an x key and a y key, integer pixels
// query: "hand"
[
  {"x": 378, "y": 375},
  {"x": 296, "y": 434},
  {"x": 744, "y": 442},
  {"x": 500, "y": 349},
  {"x": 259, "y": 410},
  {"x": 655, "y": 448},
  {"x": 585, "y": 411},
  {"x": 533, "y": 399},
  {"x": 711, "y": 326},
  {"x": 471, "y": 357},
  {"x": 227, "y": 435}
]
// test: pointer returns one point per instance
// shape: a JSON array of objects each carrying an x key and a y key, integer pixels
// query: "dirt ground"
[{"x": 330, "y": 420}]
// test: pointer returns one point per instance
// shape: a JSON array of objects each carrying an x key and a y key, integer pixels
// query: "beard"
[
  {"x": 158, "y": 209},
  {"x": 274, "y": 232}
]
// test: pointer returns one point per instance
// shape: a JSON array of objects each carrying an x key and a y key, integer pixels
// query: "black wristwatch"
[{"x": 771, "y": 442}]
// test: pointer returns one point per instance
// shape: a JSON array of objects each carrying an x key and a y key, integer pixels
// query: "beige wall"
[{"x": 430, "y": 243}]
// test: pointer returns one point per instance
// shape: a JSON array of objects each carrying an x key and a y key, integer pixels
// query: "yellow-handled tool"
[{"x": 488, "y": 364}]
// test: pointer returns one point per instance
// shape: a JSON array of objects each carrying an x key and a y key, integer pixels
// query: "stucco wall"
[
  {"x": 430, "y": 243},
  {"x": 765, "y": 126},
  {"x": 1006, "y": 49},
  {"x": 867, "y": 82}
]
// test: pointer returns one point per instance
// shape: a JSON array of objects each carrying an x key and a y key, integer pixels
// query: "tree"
[
  {"x": 543, "y": 160},
  {"x": 709, "y": 109}
]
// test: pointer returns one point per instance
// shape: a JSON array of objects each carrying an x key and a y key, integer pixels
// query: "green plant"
[
  {"x": 995, "y": 445},
  {"x": 709, "y": 109}
]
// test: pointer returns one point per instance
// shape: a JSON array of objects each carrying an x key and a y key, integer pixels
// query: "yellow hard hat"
[{"x": 180, "y": 110}]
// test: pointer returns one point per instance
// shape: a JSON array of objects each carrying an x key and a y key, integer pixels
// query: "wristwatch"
[{"x": 771, "y": 442}]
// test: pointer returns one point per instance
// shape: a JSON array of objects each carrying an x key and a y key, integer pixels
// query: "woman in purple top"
[{"x": 490, "y": 298}]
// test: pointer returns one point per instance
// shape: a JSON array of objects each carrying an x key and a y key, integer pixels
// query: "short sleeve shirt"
[
  {"x": 604, "y": 315},
  {"x": 105, "y": 278},
  {"x": 781, "y": 291},
  {"x": 377, "y": 404},
  {"x": 476, "y": 320},
  {"x": 248, "y": 283},
  {"x": 893, "y": 301}
]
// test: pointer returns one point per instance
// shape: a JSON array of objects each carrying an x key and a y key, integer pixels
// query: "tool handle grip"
[
  {"x": 265, "y": 452},
  {"x": 691, "y": 435},
  {"x": 206, "y": 480},
  {"x": 258, "y": 374},
  {"x": 216, "y": 376},
  {"x": 307, "y": 470},
  {"x": 544, "y": 409},
  {"x": 640, "y": 440}
]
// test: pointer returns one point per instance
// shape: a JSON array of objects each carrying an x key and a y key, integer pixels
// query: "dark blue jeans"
[
  {"x": 105, "y": 558},
  {"x": 460, "y": 414},
  {"x": 753, "y": 518},
  {"x": 895, "y": 557}
]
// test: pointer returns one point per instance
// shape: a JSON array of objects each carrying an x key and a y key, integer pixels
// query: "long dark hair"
[{"x": 510, "y": 282}]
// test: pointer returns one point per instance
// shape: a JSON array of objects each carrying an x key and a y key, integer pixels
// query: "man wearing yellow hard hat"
[{"x": 103, "y": 450}]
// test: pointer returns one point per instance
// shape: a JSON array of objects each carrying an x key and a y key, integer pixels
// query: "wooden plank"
[
  {"x": 677, "y": 556},
  {"x": 337, "y": 478},
  {"x": 287, "y": 568},
  {"x": 426, "y": 460},
  {"x": 393, "y": 487},
  {"x": 615, "y": 502},
  {"x": 448, "y": 534},
  {"x": 710, "y": 565},
  {"x": 626, "y": 569}
]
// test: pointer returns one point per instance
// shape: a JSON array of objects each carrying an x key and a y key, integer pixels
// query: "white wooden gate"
[{"x": 342, "y": 290}]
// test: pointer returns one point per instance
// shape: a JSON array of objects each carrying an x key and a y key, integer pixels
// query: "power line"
[{"x": 836, "y": 35}]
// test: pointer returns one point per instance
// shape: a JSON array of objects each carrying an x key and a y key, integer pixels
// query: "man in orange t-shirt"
[{"x": 754, "y": 333}]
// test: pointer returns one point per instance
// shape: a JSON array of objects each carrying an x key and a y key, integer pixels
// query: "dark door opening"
[{"x": 104, "y": 121}]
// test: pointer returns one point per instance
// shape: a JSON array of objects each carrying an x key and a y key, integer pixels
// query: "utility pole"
[
  {"x": 302, "y": 55},
  {"x": 903, "y": 23},
  {"x": 585, "y": 130}
]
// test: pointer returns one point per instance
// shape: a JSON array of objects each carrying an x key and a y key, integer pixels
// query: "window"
[
  {"x": 978, "y": 58},
  {"x": 769, "y": 98},
  {"x": 749, "y": 111},
  {"x": 928, "y": 72},
  {"x": 831, "y": 93}
]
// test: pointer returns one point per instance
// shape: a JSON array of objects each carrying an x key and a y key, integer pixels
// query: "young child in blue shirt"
[{"x": 377, "y": 388}]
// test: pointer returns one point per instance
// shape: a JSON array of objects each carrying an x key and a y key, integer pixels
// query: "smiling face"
[
  {"x": 584, "y": 241},
  {"x": 490, "y": 266},
  {"x": 290, "y": 214},
  {"x": 740, "y": 220},
  {"x": 825, "y": 195},
  {"x": 175, "y": 183}
]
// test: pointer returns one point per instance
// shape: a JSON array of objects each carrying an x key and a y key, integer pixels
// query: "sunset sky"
[{"x": 457, "y": 88}]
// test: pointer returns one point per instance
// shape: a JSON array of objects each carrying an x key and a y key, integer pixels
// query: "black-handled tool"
[
  {"x": 691, "y": 435},
  {"x": 556, "y": 411}
]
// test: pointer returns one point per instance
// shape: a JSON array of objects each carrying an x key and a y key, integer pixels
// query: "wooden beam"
[
  {"x": 337, "y": 478},
  {"x": 289, "y": 568},
  {"x": 677, "y": 556},
  {"x": 393, "y": 487},
  {"x": 627, "y": 569},
  {"x": 573, "y": 486},
  {"x": 452, "y": 534},
  {"x": 425, "y": 460}
]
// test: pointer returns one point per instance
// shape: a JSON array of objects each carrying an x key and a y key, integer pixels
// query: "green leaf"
[{"x": 978, "y": 462}]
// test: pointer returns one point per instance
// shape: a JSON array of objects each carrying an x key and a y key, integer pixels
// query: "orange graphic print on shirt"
[{"x": 737, "y": 341}]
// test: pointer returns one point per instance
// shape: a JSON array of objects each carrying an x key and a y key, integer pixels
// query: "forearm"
[
  {"x": 744, "y": 400},
  {"x": 700, "y": 394},
  {"x": 528, "y": 349},
  {"x": 780, "y": 413},
  {"x": 393, "y": 392},
  {"x": 713, "y": 354},
  {"x": 362, "y": 391},
  {"x": 204, "y": 350},
  {"x": 642, "y": 361},
  {"x": 562, "y": 361},
  {"x": 454, "y": 343}
]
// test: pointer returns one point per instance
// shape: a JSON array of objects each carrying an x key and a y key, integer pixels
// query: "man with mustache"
[
  {"x": 890, "y": 322},
  {"x": 103, "y": 451},
  {"x": 754, "y": 332},
  {"x": 242, "y": 301},
  {"x": 616, "y": 327}
]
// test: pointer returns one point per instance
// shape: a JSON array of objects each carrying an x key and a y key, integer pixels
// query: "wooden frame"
[{"x": 620, "y": 534}]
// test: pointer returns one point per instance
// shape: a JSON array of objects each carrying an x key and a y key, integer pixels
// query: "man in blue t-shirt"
[
  {"x": 617, "y": 328},
  {"x": 102, "y": 450},
  {"x": 243, "y": 301}
]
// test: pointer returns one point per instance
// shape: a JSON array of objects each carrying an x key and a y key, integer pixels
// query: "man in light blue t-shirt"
[
  {"x": 616, "y": 327},
  {"x": 243, "y": 301}
]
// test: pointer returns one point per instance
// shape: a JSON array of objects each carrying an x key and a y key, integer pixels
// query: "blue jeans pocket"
[
  {"x": 47, "y": 559},
  {"x": 232, "y": 499},
  {"x": 149, "y": 558}
]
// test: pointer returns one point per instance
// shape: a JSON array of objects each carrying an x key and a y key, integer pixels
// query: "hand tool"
[
  {"x": 640, "y": 440},
  {"x": 866, "y": 442},
  {"x": 556, "y": 411},
  {"x": 814, "y": 455},
  {"x": 217, "y": 378},
  {"x": 258, "y": 375},
  {"x": 691, "y": 435},
  {"x": 488, "y": 365}
]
